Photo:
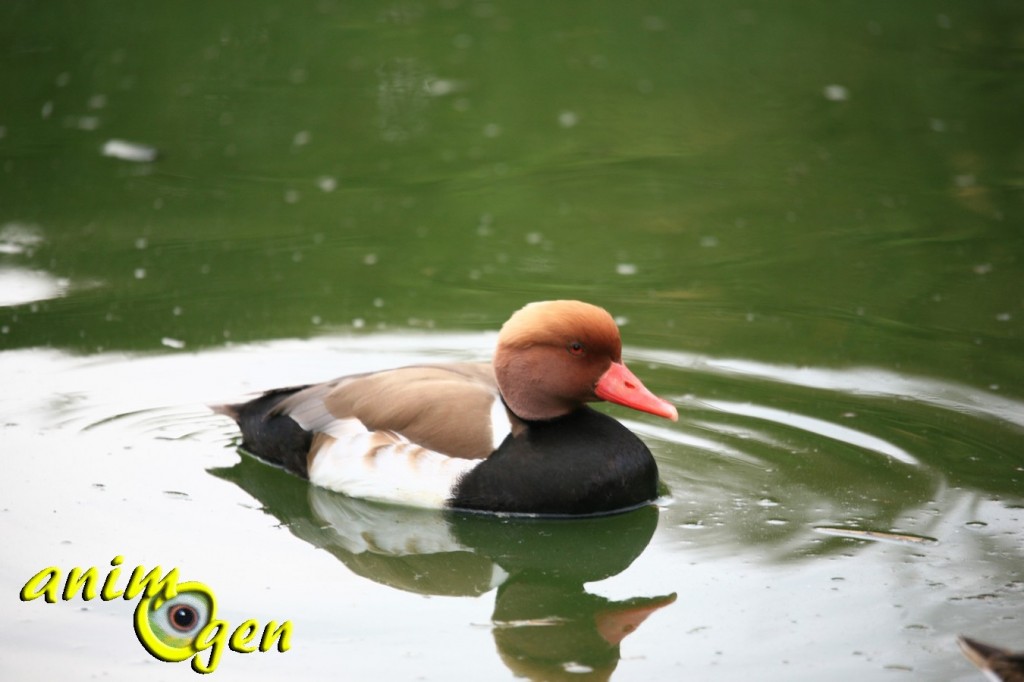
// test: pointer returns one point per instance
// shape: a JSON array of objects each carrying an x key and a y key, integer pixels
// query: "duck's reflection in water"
[{"x": 545, "y": 624}]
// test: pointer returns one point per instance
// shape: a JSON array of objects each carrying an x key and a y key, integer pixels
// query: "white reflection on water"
[
  {"x": 19, "y": 238},
  {"x": 857, "y": 381},
  {"x": 817, "y": 426},
  {"x": 20, "y": 285}
]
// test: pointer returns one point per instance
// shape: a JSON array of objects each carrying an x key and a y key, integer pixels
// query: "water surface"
[{"x": 807, "y": 221}]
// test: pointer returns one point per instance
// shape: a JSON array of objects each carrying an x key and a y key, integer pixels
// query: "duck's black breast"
[{"x": 582, "y": 463}]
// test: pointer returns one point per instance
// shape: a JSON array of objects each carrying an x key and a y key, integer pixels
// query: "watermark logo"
[{"x": 174, "y": 620}]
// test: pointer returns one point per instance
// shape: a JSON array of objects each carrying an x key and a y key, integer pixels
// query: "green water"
[{"x": 807, "y": 218}]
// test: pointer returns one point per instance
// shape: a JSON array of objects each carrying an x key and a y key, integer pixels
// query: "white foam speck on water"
[
  {"x": 129, "y": 151},
  {"x": 836, "y": 93},
  {"x": 568, "y": 119}
]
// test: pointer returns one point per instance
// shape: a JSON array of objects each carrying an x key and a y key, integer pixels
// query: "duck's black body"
[{"x": 582, "y": 463}]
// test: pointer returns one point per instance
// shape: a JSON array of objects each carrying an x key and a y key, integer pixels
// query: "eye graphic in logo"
[{"x": 169, "y": 629}]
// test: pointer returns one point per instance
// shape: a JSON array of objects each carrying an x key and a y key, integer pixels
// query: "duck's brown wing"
[{"x": 450, "y": 409}]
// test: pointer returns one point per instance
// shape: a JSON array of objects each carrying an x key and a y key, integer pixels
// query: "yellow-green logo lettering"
[{"x": 173, "y": 621}]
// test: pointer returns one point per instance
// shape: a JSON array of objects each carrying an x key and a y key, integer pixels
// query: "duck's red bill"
[{"x": 620, "y": 386}]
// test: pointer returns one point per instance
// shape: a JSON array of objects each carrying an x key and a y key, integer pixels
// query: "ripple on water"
[
  {"x": 737, "y": 468},
  {"x": 848, "y": 453},
  {"x": 822, "y": 470},
  {"x": 854, "y": 381}
]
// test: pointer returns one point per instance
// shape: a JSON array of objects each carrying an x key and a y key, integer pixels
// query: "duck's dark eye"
[{"x": 576, "y": 348}]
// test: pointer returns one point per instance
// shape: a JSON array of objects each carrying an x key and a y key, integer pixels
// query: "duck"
[
  {"x": 997, "y": 664},
  {"x": 512, "y": 436}
]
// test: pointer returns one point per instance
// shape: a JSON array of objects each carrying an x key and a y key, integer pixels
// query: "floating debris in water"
[
  {"x": 836, "y": 93},
  {"x": 84, "y": 122},
  {"x": 568, "y": 119},
  {"x": 899, "y": 667},
  {"x": 876, "y": 535},
  {"x": 129, "y": 151},
  {"x": 625, "y": 269},
  {"x": 576, "y": 668},
  {"x": 546, "y": 621},
  {"x": 177, "y": 344},
  {"x": 176, "y": 494},
  {"x": 439, "y": 87}
]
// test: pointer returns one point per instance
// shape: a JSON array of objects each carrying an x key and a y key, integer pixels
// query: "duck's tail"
[{"x": 266, "y": 433}]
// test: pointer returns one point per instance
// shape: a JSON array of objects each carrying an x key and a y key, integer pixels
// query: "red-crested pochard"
[
  {"x": 997, "y": 664},
  {"x": 512, "y": 436}
]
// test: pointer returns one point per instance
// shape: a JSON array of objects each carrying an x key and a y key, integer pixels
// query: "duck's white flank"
[
  {"x": 380, "y": 465},
  {"x": 385, "y": 466}
]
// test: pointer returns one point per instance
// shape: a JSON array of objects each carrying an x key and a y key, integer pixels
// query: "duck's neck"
[
  {"x": 537, "y": 408},
  {"x": 529, "y": 390},
  {"x": 520, "y": 423}
]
